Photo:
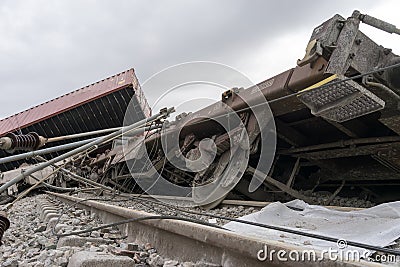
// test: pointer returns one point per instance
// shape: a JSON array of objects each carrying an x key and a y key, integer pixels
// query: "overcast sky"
[{"x": 49, "y": 48}]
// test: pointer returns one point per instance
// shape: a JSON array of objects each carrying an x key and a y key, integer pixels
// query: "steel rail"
[{"x": 188, "y": 241}]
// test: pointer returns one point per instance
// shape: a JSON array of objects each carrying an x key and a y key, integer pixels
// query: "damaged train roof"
[
  {"x": 79, "y": 97},
  {"x": 100, "y": 105}
]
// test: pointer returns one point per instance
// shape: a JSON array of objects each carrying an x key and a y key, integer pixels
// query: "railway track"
[
  {"x": 186, "y": 241},
  {"x": 230, "y": 202}
]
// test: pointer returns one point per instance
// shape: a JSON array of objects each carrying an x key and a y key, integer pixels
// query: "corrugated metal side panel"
[
  {"x": 142, "y": 100},
  {"x": 74, "y": 99}
]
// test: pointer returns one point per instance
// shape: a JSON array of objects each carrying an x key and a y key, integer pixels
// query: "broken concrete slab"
[
  {"x": 77, "y": 241},
  {"x": 99, "y": 259}
]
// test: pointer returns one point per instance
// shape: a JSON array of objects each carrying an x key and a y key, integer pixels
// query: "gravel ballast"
[{"x": 30, "y": 241}]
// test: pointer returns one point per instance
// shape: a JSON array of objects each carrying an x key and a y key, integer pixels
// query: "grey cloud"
[{"x": 49, "y": 48}]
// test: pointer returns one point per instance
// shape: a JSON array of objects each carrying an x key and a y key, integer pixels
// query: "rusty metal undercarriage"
[{"x": 337, "y": 122}]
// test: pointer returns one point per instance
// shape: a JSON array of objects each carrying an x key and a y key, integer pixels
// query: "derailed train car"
[
  {"x": 92, "y": 110},
  {"x": 337, "y": 125}
]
